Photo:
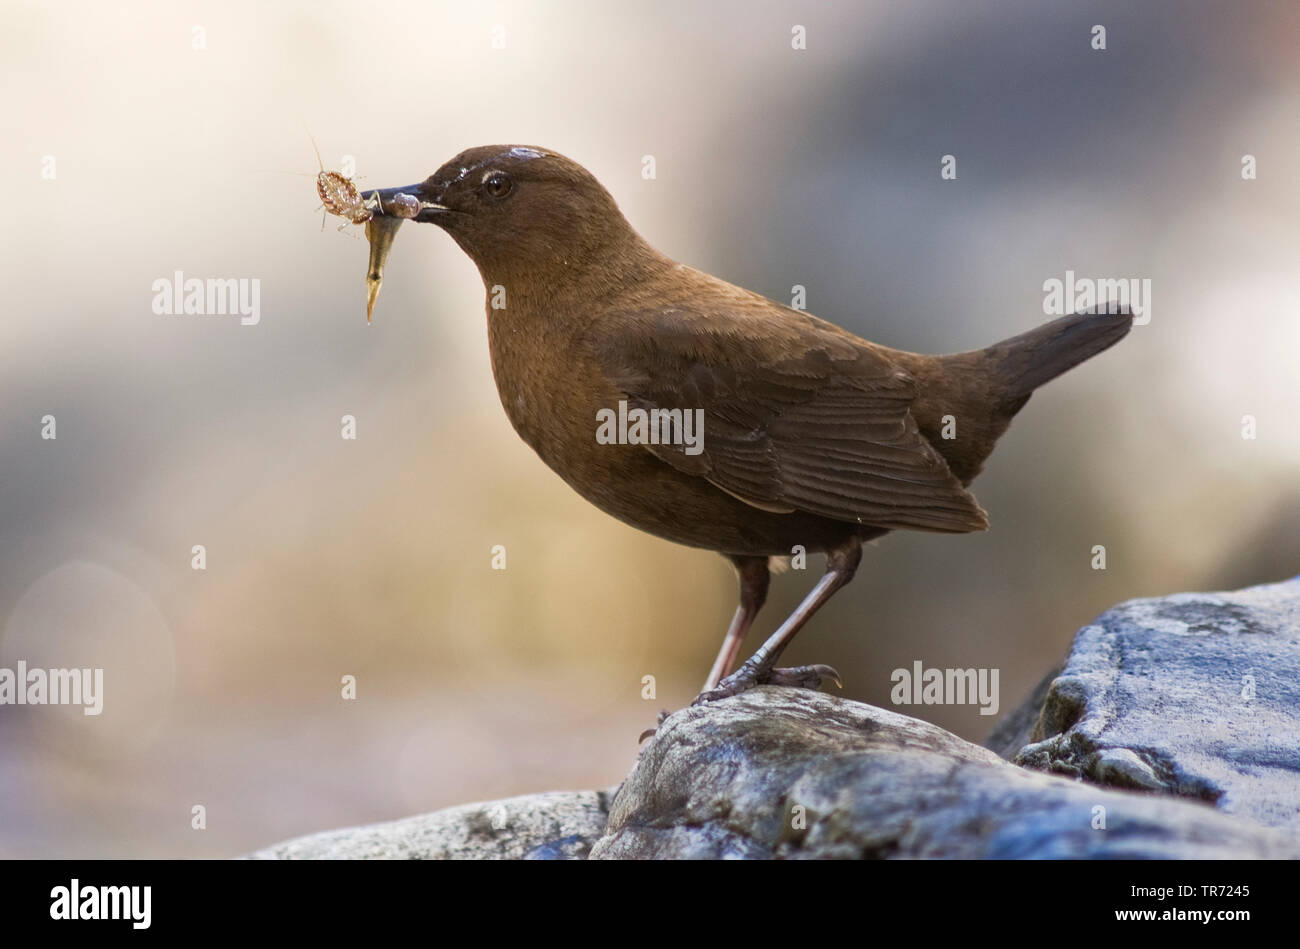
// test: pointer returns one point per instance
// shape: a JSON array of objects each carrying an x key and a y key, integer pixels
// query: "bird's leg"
[
  {"x": 841, "y": 564},
  {"x": 754, "y": 580}
]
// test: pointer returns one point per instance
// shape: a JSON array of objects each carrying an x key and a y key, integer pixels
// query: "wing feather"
[{"x": 798, "y": 414}]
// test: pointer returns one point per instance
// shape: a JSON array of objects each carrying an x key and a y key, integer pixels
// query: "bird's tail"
[{"x": 1025, "y": 362}]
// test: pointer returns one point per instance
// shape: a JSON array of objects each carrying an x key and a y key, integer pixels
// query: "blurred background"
[{"x": 372, "y": 558}]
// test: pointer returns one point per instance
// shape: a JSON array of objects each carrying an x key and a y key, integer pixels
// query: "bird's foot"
[{"x": 747, "y": 676}]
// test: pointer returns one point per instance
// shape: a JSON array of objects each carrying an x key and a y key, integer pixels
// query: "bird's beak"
[
  {"x": 388, "y": 208},
  {"x": 408, "y": 203}
]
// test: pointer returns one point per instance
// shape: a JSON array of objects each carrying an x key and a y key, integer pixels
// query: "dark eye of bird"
[{"x": 498, "y": 185}]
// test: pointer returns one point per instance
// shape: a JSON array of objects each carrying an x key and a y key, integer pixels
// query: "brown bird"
[{"x": 811, "y": 436}]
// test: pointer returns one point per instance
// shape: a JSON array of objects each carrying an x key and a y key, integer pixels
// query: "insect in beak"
[{"x": 382, "y": 212}]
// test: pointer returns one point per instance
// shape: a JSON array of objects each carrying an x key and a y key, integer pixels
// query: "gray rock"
[
  {"x": 796, "y": 774},
  {"x": 1195, "y": 695},
  {"x": 1016, "y": 728},
  {"x": 560, "y": 825}
]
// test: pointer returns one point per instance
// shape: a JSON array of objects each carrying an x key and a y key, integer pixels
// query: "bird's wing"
[{"x": 797, "y": 413}]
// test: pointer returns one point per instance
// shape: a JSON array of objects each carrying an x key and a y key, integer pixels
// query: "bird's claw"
[{"x": 649, "y": 732}]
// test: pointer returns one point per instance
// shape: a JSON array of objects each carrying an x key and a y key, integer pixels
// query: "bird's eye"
[{"x": 498, "y": 184}]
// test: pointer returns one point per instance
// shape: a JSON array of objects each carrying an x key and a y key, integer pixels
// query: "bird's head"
[{"x": 516, "y": 209}]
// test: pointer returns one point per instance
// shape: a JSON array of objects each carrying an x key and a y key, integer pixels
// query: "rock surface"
[
  {"x": 1195, "y": 695},
  {"x": 561, "y": 825},
  {"x": 795, "y": 774},
  {"x": 1172, "y": 731}
]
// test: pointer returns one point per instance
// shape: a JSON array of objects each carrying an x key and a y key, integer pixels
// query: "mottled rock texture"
[
  {"x": 561, "y": 825},
  {"x": 1195, "y": 695},
  {"x": 788, "y": 773}
]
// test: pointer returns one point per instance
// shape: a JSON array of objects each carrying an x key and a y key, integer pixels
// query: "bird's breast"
[{"x": 545, "y": 383}]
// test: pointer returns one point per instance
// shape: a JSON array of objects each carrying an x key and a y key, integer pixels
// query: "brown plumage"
[{"x": 812, "y": 436}]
